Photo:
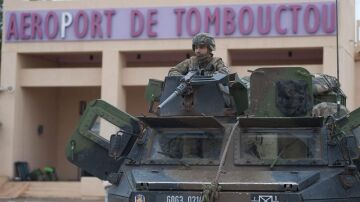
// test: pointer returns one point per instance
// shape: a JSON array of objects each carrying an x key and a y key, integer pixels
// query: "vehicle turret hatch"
[{"x": 279, "y": 92}]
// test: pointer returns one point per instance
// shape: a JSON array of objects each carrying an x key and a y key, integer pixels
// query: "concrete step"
[
  {"x": 92, "y": 188},
  {"x": 45, "y": 194},
  {"x": 53, "y": 190},
  {"x": 10, "y": 190},
  {"x": 3, "y": 179},
  {"x": 89, "y": 188}
]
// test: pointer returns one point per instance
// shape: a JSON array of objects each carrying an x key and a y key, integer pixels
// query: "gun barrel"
[
  {"x": 180, "y": 89},
  {"x": 171, "y": 97}
]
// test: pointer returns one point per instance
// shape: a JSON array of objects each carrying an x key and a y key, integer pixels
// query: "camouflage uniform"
[
  {"x": 214, "y": 64},
  {"x": 326, "y": 109},
  {"x": 207, "y": 65}
]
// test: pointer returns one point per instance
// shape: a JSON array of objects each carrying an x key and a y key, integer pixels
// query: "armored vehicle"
[{"x": 269, "y": 138}]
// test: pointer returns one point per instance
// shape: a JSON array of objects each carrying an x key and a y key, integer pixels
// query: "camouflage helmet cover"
[{"x": 203, "y": 39}]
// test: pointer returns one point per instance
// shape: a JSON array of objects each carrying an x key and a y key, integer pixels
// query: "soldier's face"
[{"x": 201, "y": 50}]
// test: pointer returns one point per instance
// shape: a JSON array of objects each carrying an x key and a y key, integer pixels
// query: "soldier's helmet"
[{"x": 204, "y": 39}]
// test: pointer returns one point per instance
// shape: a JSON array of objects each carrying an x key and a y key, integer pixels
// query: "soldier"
[{"x": 202, "y": 44}]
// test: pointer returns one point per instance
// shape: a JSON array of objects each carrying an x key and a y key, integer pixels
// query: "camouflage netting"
[
  {"x": 326, "y": 109},
  {"x": 323, "y": 83}
]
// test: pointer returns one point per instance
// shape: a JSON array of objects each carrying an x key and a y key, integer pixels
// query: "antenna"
[{"x": 337, "y": 60}]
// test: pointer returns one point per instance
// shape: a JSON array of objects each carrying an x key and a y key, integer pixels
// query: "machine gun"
[{"x": 185, "y": 81}]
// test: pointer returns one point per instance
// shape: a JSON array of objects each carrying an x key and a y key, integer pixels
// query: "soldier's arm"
[
  {"x": 221, "y": 67},
  {"x": 180, "y": 69}
]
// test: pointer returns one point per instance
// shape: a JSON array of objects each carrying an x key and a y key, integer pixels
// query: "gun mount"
[
  {"x": 181, "y": 89},
  {"x": 196, "y": 95}
]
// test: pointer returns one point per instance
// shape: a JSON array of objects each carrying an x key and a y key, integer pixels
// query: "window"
[
  {"x": 279, "y": 146},
  {"x": 103, "y": 128},
  {"x": 184, "y": 146}
]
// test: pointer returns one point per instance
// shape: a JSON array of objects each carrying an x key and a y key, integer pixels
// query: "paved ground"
[{"x": 46, "y": 200}]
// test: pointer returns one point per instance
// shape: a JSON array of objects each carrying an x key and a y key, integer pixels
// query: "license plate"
[
  {"x": 168, "y": 197},
  {"x": 182, "y": 198}
]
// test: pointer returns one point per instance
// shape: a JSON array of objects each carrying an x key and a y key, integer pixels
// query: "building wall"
[
  {"x": 39, "y": 108},
  {"x": 10, "y": 107},
  {"x": 119, "y": 82},
  {"x": 136, "y": 104},
  {"x": 57, "y": 110},
  {"x": 68, "y": 116},
  {"x": 346, "y": 52}
]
